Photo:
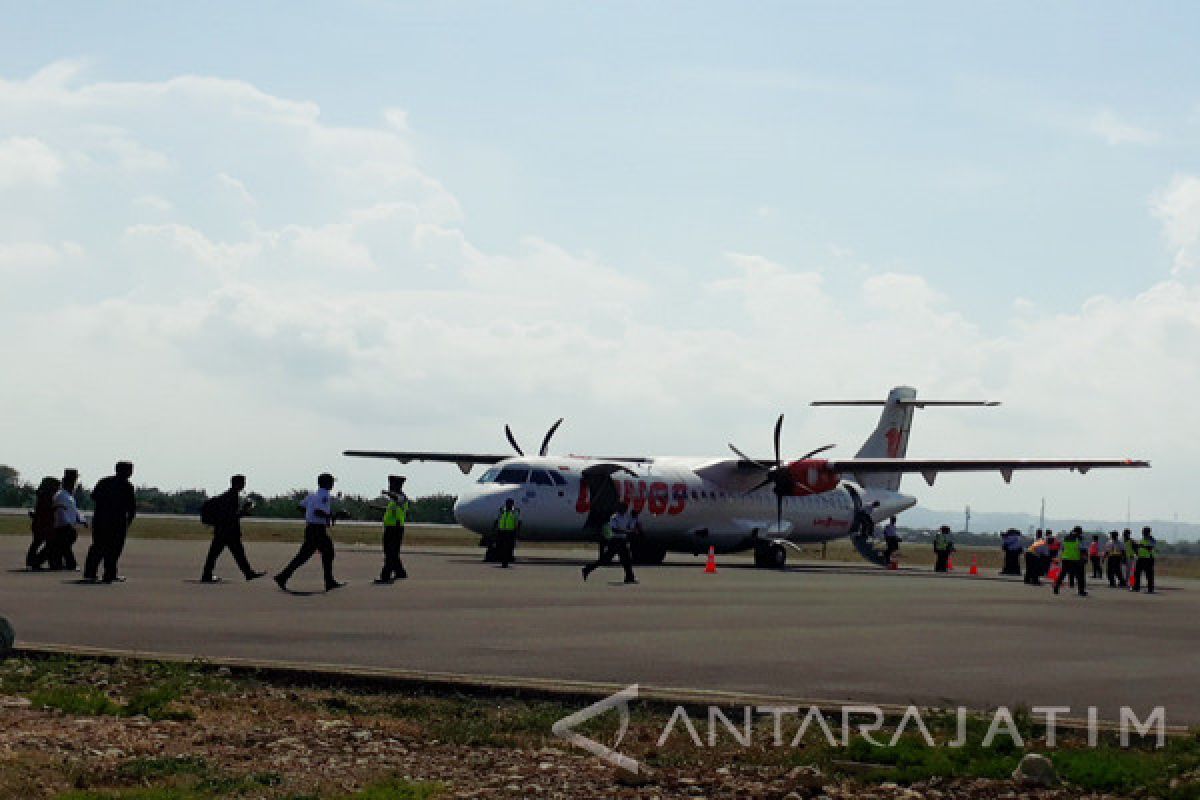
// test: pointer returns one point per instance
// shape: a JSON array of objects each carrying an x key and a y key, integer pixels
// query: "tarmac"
[{"x": 814, "y": 632}]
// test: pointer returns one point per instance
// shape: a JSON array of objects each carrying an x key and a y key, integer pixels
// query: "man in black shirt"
[
  {"x": 116, "y": 506},
  {"x": 226, "y": 512}
]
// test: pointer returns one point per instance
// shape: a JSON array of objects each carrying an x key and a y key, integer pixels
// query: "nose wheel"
[{"x": 770, "y": 556}]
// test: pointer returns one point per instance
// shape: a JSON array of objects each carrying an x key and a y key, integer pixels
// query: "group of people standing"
[
  {"x": 55, "y": 521},
  {"x": 1124, "y": 561}
]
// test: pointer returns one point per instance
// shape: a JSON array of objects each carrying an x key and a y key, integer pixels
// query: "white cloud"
[
  {"x": 28, "y": 162},
  {"x": 1179, "y": 209},
  {"x": 31, "y": 257},
  {"x": 1106, "y": 125}
]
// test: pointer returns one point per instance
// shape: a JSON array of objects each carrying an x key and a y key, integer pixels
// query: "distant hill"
[{"x": 985, "y": 521}]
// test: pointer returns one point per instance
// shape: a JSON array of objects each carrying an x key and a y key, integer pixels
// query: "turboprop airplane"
[{"x": 730, "y": 504}]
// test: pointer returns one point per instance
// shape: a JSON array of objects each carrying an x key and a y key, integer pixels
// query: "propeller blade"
[
  {"x": 767, "y": 481},
  {"x": 812, "y": 453},
  {"x": 747, "y": 458},
  {"x": 549, "y": 433},
  {"x": 513, "y": 440},
  {"x": 778, "y": 430}
]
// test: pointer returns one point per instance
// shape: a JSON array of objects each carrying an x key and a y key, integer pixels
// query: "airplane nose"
[{"x": 476, "y": 511}]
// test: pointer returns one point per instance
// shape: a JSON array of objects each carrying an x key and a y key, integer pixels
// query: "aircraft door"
[{"x": 602, "y": 493}]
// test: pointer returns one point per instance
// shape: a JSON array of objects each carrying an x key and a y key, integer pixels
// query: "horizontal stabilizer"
[{"x": 914, "y": 403}]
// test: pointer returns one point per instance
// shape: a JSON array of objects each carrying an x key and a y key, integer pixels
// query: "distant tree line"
[{"x": 437, "y": 508}]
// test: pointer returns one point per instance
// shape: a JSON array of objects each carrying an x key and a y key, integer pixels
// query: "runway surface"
[{"x": 815, "y": 631}]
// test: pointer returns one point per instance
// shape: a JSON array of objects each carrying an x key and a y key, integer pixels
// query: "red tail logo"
[{"x": 894, "y": 437}]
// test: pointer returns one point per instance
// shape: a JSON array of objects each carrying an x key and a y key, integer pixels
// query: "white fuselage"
[{"x": 680, "y": 510}]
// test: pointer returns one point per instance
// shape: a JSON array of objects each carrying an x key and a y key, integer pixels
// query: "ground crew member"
[
  {"x": 319, "y": 517},
  {"x": 394, "y": 518},
  {"x": 1094, "y": 557},
  {"x": 616, "y": 533},
  {"x": 1053, "y": 548},
  {"x": 1114, "y": 556},
  {"x": 507, "y": 526},
  {"x": 1033, "y": 560},
  {"x": 1071, "y": 560},
  {"x": 116, "y": 506},
  {"x": 41, "y": 522},
  {"x": 61, "y": 553},
  {"x": 942, "y": 548},
  {"x": 226, "y": 511},
  {"x": 1010, "y": 542},
  {"x": 1130, "y": 556},
  {"x": 1145, "y": 562},
  {"x": 891, "y": 540}
]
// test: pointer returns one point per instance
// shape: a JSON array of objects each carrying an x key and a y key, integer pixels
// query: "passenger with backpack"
[
  {"x": 224, "y": 513},
  {"x": 41, "y": 523}
]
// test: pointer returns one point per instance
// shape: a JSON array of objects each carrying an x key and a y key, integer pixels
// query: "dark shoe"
[
  {"x": 211, "y": 579},
  {"x": 1056, "y": 588},
  {"x": 255, "y": 575},
  {"x": 90, "y": 579},
  {"x": 1083, "y": 594},
  {"x": 383, "y": 581},
  {"x": 329, "y": 587},
  {"x": 282, "y": 581},
  {"x": 631, "y": 580},
  {"x": 401, "y": 576},
  {"x": 115, "y": 579}
]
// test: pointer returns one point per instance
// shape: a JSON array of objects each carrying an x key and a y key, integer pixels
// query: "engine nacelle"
[{"x": 812, "y": 476}]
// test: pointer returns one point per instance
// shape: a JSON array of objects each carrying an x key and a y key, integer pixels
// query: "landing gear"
[
  {"x": 646, "y": 554},
  {"x": 770, "y": 556}
]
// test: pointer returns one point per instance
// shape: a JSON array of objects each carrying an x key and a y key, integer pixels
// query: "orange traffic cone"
[
  {"x": 1132, "y": 578},
  {"x": 950, "y": 563},
  {"x": 894, "y": 561},
  {"x": 711, "y": 567},
  {"x": 974, "y": 566}
]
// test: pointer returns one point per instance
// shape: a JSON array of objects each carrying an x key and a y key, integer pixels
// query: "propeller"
[
  {"x": 784, "y": 483},
  {"x": 545, "y": 442}
]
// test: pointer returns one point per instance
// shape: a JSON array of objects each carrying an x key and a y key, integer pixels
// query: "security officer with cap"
[
  {"x": 1071, "y": 557},
  {"x": 507, "y": 526},
  {"x": 116, "y": 506},
  {"x": 319, "y": 517},
  {"x": 395, "y": 515},
  {"x": 1145, "y": 562},
  {"x": 942, "y": 548}
]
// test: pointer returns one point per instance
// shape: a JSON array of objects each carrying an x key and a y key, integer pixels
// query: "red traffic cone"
[
  {"x": 1132, "y": 578},
  {"x": 974, "y": 566},
  {"x": 1054, "y": 572},
  {"x": 950, "y": 563},
  {"x": 711, "y": 567}
]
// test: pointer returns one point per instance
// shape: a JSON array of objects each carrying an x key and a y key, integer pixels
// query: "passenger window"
[
  {"x": 513, "y": 475},
  {"x": 490, "y": 475},
  {"x": 541, "y": 478}
]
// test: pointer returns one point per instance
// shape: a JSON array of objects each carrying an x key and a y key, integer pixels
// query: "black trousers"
[
  {"x": 1033, "y": 569},
  {"x": 316, "y": 540},
  {"x": 393, "y": 567},
  {"x": 59, "y": 552},
  {"x": 1012, "y": 562},
  {"x": 506, "y": 547},
  {"x": 618, "y": 547},
  {"x": 1144, "y": 566},
  {"x": 943, "y": 561},
  {"x": 36, "y": 555},
  {"x": 108, "y": 542},
  {"x": 231, "y": 540},
  {"x": 1116, "y": 571},
  {"x": 891, "y": 545},
  {"x": 1078, "y": 576},
  {"x": 1097, "y": 567}
]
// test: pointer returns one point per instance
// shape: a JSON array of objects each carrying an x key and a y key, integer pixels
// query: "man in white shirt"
[
  {"x": 623, "y": 524},
  {"x": 891, "y": 539},
  {"x": 319, "y": 517},
  {"x": 66, "y": 517}
]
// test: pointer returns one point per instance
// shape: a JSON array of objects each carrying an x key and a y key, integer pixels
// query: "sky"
[{"x": 244, "y": 237}]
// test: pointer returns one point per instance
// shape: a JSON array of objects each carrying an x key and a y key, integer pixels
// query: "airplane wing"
[
  {"x": 930, "y": 467},
  {"x": 464, "y": 461}
]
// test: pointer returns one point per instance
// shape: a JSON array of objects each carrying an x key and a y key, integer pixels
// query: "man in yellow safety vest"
[
  {"x": 1071, "y": 556},
  {"x": 507, "y": 525},
  {"x": 1145, "y": 562},
  {"x": 395, "y": 515}
]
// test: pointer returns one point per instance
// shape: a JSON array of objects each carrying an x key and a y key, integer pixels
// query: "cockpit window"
[
  {"x": 512, "y": 475},
  {"x": 540, "y": 477},
  {"x": 559, "y": 480},
  {"x": 490, "y": 475}
]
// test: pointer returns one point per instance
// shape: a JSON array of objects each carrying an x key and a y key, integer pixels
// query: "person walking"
[
  {"x": 1010, "y": 543},
  {"x": 1130, "y": 556},
  {"x": 224, "y": 512},
  {"x": 319, "y": 517},
  {"x": 1114, "y": 557},
  {"x": 115, "y": 507},
  {"x": 61, "y": 552},
  {"x": 1053, "y": 548},
  {"x": 1095, "y": 558},
  {"x": 942, "y": 548},
  {"x": 616, "y": 533},
  {"x": 1033, "y": 560},
  {"x": 395, "y": 515},
  {"x": 891, "y": 540},
  {"x": 1071, "y": 560},
  {"x": 41, "y": 523},
  {"x": 1145, "y": 562},
  {"x": 507, "y": 526}
]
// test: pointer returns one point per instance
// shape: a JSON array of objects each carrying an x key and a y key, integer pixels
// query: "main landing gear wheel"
[
  {"x": 770, "y": 556},
  {"x": 645, "y": 554}
]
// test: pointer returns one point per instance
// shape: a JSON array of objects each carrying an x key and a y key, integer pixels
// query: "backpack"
[{"x": 208, "y": 512}]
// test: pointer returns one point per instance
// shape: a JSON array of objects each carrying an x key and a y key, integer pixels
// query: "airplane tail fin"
[{"x": 890, "y": 437}]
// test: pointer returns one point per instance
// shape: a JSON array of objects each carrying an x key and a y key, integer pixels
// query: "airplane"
[{"x": 728, "y": 504}]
